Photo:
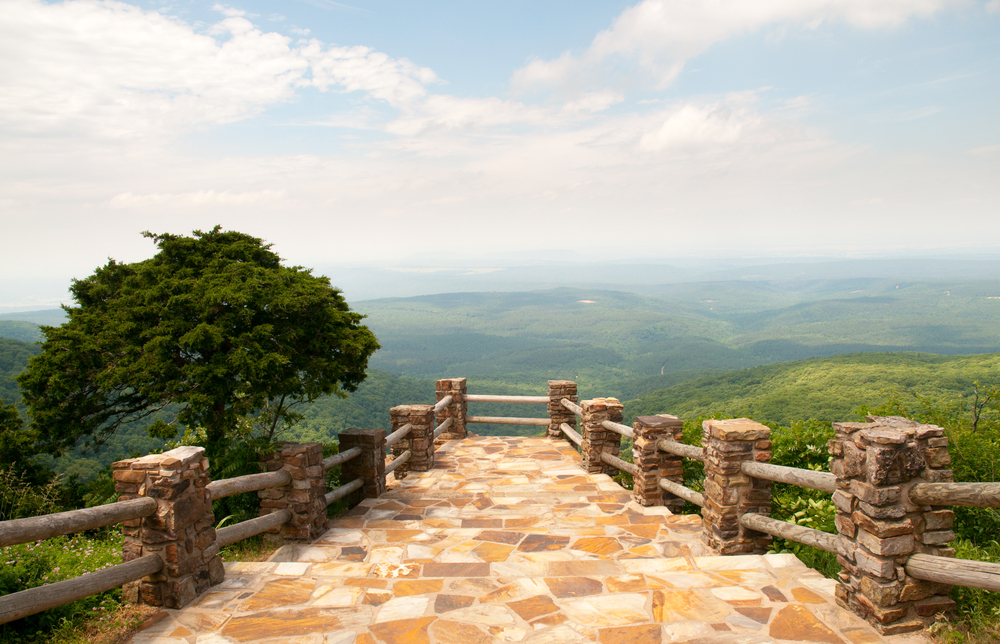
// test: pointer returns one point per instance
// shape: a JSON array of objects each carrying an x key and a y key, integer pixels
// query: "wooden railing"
[
  {"x": 34, "y": 600},
  {"x": 737, "y": 491}
]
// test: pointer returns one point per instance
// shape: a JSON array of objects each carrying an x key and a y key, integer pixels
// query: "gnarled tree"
[{"x": 212, "y": 322}]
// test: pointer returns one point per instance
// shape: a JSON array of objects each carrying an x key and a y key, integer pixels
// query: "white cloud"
[
  {"x": 661, "y": 35},
  {"x": 692, "y": 128},
  {"x": 197, "y": 198},
  {"x": 112, "y": 70},
  {"x": 993, "y": 6}
]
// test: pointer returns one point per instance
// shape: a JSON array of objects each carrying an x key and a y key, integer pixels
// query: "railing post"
[
  {"x": 456, "y": 388},
  {"x": 596, "y": 439},
  {"x": 876, "y": 464},
  {"x": 369, "y": 466},
  {"x": 419, "y": 441},
  {"x": 181, "y": 531},
  {"x": 559, "y": 389},
  {"x": 652, "y": 464},
  {"x": 729, "y": 494},
  {"x": 303, "y": 496}
]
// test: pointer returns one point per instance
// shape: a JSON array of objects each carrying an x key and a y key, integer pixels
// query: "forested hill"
[
  {"x": 14, "y": 355},
  {"x": 828, "y": 389}
]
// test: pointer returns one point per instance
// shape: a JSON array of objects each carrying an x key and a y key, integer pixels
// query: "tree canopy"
[{"x": 212, "y": 322}]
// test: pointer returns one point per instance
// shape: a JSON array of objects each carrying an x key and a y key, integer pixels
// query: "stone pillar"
[
  {"x": 652, "y": 464},
  {"x": 303, "y": 496},
  {"x": 729, "y": 494},
  {"x": 369, "y": 466},
  {"x": 559, "y": 389},
  {"x": 454, "y": 387},
  {"x": 181, "y": 531},
  {"x": 876, "y": 463},
  {"x": 419, "y": 441},
  {"x": 596, "y": 439}
]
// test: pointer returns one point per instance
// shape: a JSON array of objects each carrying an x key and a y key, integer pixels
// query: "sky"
[{"x": 401, "y": 133}]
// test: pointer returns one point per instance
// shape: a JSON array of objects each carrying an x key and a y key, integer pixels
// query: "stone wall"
[
  {"x": 729, "y": 493},
  {"x": 652, "y": 464},
  {"x": 454, "y": 387},
  {"x": 303, "y": 496},
  {"x": 876, "y": 463},
  {"x": 559, "y": 389},
  {"x": 596, "y": 439},
  {"x": 181, "y": 531}
]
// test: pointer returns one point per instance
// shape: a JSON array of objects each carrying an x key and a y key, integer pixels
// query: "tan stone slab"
[
  {"x": 681, "y": 605},
  {"x": 404, "y": 631},
  {"x": 449, "y": 632},
  {"x": 607, "y": 610},
  {"x": 640, "y": 634},
  {"x": 795, "y": 622},
  {"x": 405, "y": 587},
  {"x": 287, "y": 624},
  {"x": 282, "y": 592}
]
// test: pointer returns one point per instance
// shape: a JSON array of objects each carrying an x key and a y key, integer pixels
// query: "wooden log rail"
[
  {"x": 399, "y": 460},
  {"x": 791, "y": 531},
  {"x": 337, "y": 494},
  {"x": 624, "y": 466},
  {"x": 573, "y": 407},
  {"x": 443, "y": 427},
  {"x": 979, "y": 495},
  {"x": 35, "y": 600},
  {"x": 441, "y": 404},
  {"x": 571, "y": 434},
  {"x": 823, "y": 481},
  {"x": 506, "y": 399},
  {"x": 503, "y": 420},
  {"x": 341, "y": 458},
  {"x": 397, "y": 435},
  {"x": 618, "y": 428},
  {"x": 246, "y": 529},
  {"x": 54, "y": 525},
  {"x": 679, "y": 490},
  {"x": 250, "y": 483},
  {"x": 680, "y": 449},
  {"x": 956, "y": 572}
]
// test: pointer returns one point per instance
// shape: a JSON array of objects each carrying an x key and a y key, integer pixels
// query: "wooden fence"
[{"x": 889, "y": 481}]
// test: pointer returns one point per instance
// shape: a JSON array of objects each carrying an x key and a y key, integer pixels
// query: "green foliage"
[
  {"x": 802, "y": 444},
  {"x": 827, "y": 389},
  {"x": 978, "y": 611},
  {"x": 213, "y": 323},
  {"x": 14, "y": 356},
  {"x": 20, "y": 497},
  {"x": 20, "y": 330},
  {"x": 34, "y": 564}
]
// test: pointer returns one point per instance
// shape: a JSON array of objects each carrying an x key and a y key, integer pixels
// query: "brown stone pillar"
[
  {"x": 303, "y": 496},
  {"x": 559, "y": 389},
  {"x": 596, "y": 439},
  {"x": 419, "y": 441},
  {"x": 181, "y": 531},
  {"x": 876, "y": 463},
  {"x": 652, "y": 464},
  {"x": 729, "y": 494},
  {"x": 456, "y": 388},
  {"x": 369, "y": 466}
]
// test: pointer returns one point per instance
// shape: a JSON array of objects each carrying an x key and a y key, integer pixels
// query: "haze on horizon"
[{"x": 393, "y": 133}]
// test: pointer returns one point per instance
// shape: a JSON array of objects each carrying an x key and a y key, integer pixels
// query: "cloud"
[
  {"x": 111, "y": 70},
  {"x": 661, "y": 35},
  {"x": 197, "y": 198},
  {"x": 993, "y": 6}
]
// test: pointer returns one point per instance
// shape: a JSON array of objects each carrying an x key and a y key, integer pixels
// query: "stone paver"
[{"x": 507, "y": 539}]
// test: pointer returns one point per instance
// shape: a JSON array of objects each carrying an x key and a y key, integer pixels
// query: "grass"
[{"x": 43, "y": 562}]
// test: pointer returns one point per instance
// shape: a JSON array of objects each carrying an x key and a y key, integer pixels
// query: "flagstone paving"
[{"x": 507, "y": 539}]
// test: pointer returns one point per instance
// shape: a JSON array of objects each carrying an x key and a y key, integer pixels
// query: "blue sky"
[{"x": 396, "y": 132}]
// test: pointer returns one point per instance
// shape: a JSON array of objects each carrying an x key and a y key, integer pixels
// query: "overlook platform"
[{"x": 507, "y": 539}]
